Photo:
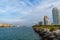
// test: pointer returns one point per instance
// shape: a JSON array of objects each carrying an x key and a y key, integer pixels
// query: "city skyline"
[{"x": 26, "y": 12}]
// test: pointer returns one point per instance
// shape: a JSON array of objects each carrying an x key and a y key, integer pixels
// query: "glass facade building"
[{"x": 55, "y": 14}]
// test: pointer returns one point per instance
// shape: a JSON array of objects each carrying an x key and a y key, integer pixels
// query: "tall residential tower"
[
  {"x": 55, "y": 14},
  {"x": 46, "y": 20}
]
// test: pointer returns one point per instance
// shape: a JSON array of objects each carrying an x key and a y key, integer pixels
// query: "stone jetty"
[{"x": 46, "y": 34}]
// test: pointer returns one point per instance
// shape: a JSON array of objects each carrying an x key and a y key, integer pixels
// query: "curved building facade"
[{"x": 55, "y": 14}]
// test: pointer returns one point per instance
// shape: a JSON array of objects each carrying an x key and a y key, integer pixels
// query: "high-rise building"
[
  {"x": 40, "y": 23},
  {"x": 46, "y": 20},
  {"x": 55, "y": 14}
]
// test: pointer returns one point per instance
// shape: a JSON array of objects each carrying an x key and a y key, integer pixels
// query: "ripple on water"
[{"x": 21, "y": 33}]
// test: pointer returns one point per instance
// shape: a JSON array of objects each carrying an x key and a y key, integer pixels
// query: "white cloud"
[
  {"x": 44, "y": 8},
  {"x": 30, "y": 12}
]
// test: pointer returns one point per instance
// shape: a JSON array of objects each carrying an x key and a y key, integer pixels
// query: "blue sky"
[{"x": 26, "y": 12}]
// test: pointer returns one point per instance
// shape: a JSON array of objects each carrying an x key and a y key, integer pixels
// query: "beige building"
[
  {"x": 46, "y": 20},
  {"x": 6, "y": 25}
]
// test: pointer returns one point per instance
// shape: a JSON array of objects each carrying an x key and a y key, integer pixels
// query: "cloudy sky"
[{"x": 26, "y": 12}]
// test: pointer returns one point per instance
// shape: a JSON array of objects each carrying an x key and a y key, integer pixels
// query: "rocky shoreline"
[{"x": 47, "y": 35}]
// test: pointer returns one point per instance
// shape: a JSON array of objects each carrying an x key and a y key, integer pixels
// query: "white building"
[{"x": 55, "y": 14}]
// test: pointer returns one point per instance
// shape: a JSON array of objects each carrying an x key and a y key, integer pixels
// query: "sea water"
[{"x": 18, "y": 33}]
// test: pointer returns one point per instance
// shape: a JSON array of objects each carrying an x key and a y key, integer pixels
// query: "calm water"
[{"x": 18, "y": 33}]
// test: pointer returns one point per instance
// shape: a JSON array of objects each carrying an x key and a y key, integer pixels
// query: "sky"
[{"x": 26, "y": 12}]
